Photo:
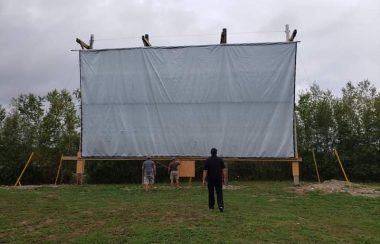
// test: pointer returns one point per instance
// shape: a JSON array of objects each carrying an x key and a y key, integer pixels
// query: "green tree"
[
  {"x": 349, "y": 123},
  {"x": 356, "y": 117},
  {"x": 59, "y": 130},
  {"x": 315, "y": 130},
  {"x": 19, "y": 134},
  {"x": 12, "y": 149},
  {"x": 2, "y": 116},
  {"x": 30, "y": 110},
  {"x": 47, "y": 125}
]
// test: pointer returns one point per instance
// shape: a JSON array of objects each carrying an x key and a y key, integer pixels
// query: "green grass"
[{"x": 255, "y": 212}]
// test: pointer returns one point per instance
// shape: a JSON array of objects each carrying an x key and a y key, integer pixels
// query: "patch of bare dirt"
[
  {"x": 233, "y": 187},
  {"x": 27, "y": 187},
  {"x": 334, "y": 186}
]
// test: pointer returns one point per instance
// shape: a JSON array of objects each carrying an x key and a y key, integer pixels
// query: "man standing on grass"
[
  {"x": 149, "y": 171},
  {"x": 173, "y": 172},
  {"x": 214, "y": 170}
]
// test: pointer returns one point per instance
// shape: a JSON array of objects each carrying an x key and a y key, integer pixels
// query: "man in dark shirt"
[{"x": 214, "y": 170}]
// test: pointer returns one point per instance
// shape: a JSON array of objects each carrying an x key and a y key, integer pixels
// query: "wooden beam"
[
  {"x": 287, "y": 32},
  {"x": 91, "y": 41},
  {"x": 286, "y": 160},
  {"x": 18, "y": 182},
  {"x": 316, "y": 167},
  {"x": 293, "y": 36},
  {"x": 82, "y": 44},
  {"x": 341, "y": 167},
  {"x": 69, "y": 158},
  {"x": 223, "y": 36},
  {"x": 296, "y": 173},
  {"x": 296, "y": 163},
  {"x": 145, "y": 40},
  {"x": 59, "y": 169}
]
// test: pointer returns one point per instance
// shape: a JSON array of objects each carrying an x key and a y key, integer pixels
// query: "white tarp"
[{"x": 182, "y": 101}]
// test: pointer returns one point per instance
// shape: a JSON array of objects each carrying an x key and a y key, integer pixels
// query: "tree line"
[
  {"x": 49, "y": 126},
  {"x": 350, "y": 123}
]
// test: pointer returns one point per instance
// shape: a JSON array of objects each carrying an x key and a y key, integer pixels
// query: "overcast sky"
[{"x": 340, "y": 40}]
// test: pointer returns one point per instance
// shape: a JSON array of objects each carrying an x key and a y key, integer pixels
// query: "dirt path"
[{"x": 332, "y": 186}]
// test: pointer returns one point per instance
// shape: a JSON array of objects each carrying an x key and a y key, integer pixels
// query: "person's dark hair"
[{"x": 213, "y": 151}]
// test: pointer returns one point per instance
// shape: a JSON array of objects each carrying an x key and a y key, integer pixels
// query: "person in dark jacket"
[{"x": 214, "y": 171}]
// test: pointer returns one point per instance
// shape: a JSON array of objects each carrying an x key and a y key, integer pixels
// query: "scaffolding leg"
[
  {"x": 18, "y": 181},
  {"x": 59, "y": 169},
  {"x": 341, "y": 167},
  {"x": 316, "y": 167}
]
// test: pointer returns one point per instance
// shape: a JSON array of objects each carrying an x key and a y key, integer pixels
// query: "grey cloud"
[{"x": 339, "y": 38}]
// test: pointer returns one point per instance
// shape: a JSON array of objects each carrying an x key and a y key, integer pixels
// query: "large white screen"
[{"x": 182, "y": 101}]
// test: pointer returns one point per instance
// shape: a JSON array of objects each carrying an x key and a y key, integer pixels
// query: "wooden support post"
[
  {"x": 295, "y": 164},
  {"x": 287, "y": 32},
  {"x": 59, "y": 169},
  {"x": 293, "y": 36},
  {"x": 145, "y": 40},
  {"x": 223, "y": 36},
  {"x": 296, "y": 173},
  {"x": 316, "y": 167},
  {"x": 80, "y": 169},
  {"x": 22, "y": 172},
  {"x": 82, "y": 44},
  {"x": 91, "y": 41},
  {"x": 341, "y": 167}
]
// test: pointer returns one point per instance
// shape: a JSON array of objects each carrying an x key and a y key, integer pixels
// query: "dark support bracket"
[
  {"x": 91, "y": 41},
  {"x": 84, "y": 45},
  {"x": 293, "y": 35},
  {"x": 223, "y": 37},
  {"x": 145, "y": 40}
]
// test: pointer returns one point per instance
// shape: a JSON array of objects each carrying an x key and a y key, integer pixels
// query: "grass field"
[{"x": 255, "y": 212}]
